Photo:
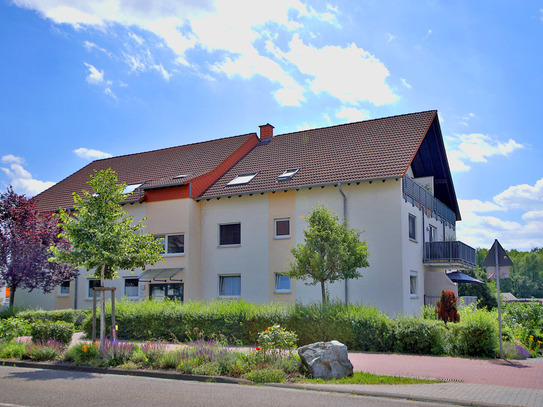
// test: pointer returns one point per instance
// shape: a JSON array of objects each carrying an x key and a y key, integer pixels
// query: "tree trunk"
[
  {"x": 102, "y": 310},
  {"x": 12, "y": 296},
  {"x": 323, "y": 293}
]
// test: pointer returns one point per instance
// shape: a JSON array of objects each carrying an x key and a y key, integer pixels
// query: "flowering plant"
[{"x": 275, "y": 339}]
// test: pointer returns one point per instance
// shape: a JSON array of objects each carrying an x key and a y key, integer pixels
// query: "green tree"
[
  {"x": 103, "y": 237},
  {"x": 332, "y": 251}
]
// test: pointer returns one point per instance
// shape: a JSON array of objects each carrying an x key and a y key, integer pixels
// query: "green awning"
[{"x": 160, "y": 275}]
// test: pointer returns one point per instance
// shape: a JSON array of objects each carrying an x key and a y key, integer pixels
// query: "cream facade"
[{"x": 229, "y": 228}]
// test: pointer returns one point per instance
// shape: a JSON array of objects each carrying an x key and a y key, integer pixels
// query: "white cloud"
[
  {"x": 352, "y": 114},
  {"x": 475, "y": 205},
  {"x": 479, "y": 229},
  {"x": 231, "y": 31},
  {"x": 90, "y": 154},
  {"x": 404, "y": 82},
  {"x": 350, "y": 74},
  {"x": 20, "y": 179},
  {"x": 95, "y": 77},
  {"x": 476, "y": 148},
  {"x": 522, "y": 196}
]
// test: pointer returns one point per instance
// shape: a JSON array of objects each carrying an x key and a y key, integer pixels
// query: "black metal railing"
[
  {"x": 452, "y": 252},
  {"x": 414, "y": 191}
]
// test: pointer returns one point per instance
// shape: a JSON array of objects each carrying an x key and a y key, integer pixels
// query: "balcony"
[
  {"x": 413, "y": 192},
  {"x": 449, "y": 255}
]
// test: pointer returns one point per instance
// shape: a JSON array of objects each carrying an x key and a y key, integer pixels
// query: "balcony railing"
[
  {"x": 453, "y": 253},
  {"x": 414, "y": 191}
]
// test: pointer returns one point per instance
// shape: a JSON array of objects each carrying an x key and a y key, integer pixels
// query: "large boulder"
[{"x": 325, "y": 360}]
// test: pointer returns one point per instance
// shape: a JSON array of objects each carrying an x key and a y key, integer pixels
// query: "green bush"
[
  {"x": 12, "y": 328},
  {"x": 83, "y": 354},
  {"x": 475, "y": 335},
  {"x": 12, "y": 350},
  {"x": 42, "y": 351},
  {"x": 372, "y": 330},
  {"x": 59, "y": 331},
  {"x": 11, "y": 312},
  {"x": 417, "y": 335},
  {"x": 75, "y": 317}
]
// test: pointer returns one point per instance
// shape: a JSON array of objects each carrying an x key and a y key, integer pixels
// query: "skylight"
[
  {"x": 288, "y": 174},
  {"x": 130, "y": 188},
  {"x": 242, "y": 179},
  {"x": 182, "y": 176}
]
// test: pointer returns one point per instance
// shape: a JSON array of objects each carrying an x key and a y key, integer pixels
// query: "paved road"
[{"x": 37, "y": 387}]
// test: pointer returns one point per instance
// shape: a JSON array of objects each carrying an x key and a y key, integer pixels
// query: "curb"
[
  {"x": 125, "y": 372},
  {"x": 399, "y": 396}
]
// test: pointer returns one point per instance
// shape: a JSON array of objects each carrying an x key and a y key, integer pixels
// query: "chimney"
[{"x": 266, "y": 131}]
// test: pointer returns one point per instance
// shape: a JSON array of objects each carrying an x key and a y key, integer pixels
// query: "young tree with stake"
[{"x": 103, "y": 237}]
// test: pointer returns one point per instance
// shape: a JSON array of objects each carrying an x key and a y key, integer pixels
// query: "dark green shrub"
[
  {"x": 11, "y": 312},
  {"x": 373, "y": 330},
  {"x": 475, "y": 335},
  {"x": 66, "y": 315},
  {"x": 12, "y": 328},
  {"x": 417, "y": 335},
  {"x": 12, "y": 350},
  {"x": 59, "y": 331}
]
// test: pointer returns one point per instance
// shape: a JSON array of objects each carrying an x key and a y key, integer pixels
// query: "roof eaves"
[{"x": 309, "y": 186}]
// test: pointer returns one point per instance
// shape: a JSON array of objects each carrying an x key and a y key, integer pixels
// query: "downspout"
[{"x": 344, "y": 220}]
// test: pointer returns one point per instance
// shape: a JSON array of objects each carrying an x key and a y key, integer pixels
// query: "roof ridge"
[
  {"x": 173, "y": 147},
  {"x": 358, "y": 122}
]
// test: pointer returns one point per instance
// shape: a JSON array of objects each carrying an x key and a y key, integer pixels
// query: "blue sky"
[{"x": 82, "y": 80}]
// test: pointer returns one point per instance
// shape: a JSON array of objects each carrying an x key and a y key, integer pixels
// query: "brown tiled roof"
[
  {"x": 372, "y": 149},
  {"x": 154, "y": 168}
]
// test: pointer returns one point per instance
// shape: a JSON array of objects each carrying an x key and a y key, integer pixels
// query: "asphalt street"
[{"x": 53, "y": 388}]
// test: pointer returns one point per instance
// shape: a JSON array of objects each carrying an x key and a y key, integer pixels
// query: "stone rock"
[{"x": 325, "y": 360}]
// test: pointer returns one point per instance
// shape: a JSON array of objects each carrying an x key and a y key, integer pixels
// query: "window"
[
  {"x": 173, "y": 244},
  {"x": 412, "y": 227},
  {"x": 282, "y": 283},
  {"x": 413, "y": 289},
  {"x": 242, "y": 179},
  {"x": 282, "y": 228},
  {"x": 131, "y": 287},
  {"x": 92, "y": 284},
  {"x": 230, "y": 234},
  {"x": 288, "y": 174},
  {"x": 229, "y": 286},
  {"x": 160, "y": 292},
  {"x": 433, "y": 234},
  {"x": 64, "y": 288}
]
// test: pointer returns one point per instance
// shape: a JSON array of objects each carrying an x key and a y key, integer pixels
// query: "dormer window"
[
  {"x": 288, "y": 174},
  {"x": 242, "y": 179},
  {"x": 131, "y": 188}
]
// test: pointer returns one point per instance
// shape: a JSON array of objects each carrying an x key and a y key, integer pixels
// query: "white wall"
[
  {"x": 250, "y": 259},
  {"x": 373, "y": 209}
]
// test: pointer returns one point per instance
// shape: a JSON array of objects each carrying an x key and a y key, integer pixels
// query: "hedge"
[{"x": 359, "y": 327}]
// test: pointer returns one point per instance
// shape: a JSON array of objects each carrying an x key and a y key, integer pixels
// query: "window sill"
[
  {"x": 413, "y": 296},
  {"x": 282, "y": 292},
  {"x": 281, "y": 237},
  {"x": 63, "y": 295},
  {"x": 224, "y": 246},
  {"x": 413, "y": 240},
  {"x": 173, "y": 255}
]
